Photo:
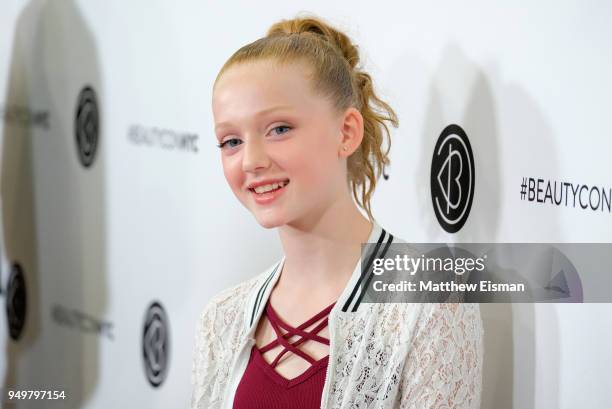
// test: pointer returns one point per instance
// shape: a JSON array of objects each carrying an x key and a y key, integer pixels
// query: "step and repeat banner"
[{"x": 118, "y": 225}]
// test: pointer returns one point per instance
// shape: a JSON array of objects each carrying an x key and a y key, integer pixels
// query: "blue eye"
[
  {"x": 282, "y": 126},
  {"x": 222, "y": 144}
]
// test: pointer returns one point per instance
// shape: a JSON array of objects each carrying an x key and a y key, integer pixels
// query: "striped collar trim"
[{"x": 352, "y": 295}]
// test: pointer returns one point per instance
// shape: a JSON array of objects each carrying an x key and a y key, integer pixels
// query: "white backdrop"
[{"x": 152, "y": 218}]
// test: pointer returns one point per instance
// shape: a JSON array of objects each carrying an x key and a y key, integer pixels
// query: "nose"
[{"x": 254, "y": 155}]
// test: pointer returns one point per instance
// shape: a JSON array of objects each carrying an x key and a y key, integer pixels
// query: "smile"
[{"x": 268, "y": 193}]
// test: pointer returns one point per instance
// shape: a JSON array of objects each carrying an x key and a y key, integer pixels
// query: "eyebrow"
[{"x": 260, "y": 113}]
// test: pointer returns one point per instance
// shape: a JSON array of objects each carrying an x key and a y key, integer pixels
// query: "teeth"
[{"x": 267, "y": 188}]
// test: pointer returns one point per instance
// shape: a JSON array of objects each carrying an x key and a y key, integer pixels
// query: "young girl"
[{"x": 298, "y": 133}]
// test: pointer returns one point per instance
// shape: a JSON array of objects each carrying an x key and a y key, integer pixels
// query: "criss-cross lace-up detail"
[{"x": 282, "y": 339}]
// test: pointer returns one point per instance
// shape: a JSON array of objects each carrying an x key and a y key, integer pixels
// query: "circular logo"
[
  {"x": 86, "y": 126},
  {"x": 155, "y": 344},
  {"x": 452, "y": 178},
  {"x": 16, "y": 302}
]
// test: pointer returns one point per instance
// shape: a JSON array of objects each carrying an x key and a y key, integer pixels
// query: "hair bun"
[{"x": 316, "y": 26}]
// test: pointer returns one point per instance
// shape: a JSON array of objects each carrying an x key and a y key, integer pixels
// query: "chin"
[{"x": 269, "y": 222}]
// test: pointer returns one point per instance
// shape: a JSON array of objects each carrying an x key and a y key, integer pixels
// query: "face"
[{"x": 272, "y": 127}]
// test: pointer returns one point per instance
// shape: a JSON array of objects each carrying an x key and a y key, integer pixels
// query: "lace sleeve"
[
  {"x": 218, "y": 334},
  {"x": 444, "y": 366},
  {"x": 200, "y": 374}
]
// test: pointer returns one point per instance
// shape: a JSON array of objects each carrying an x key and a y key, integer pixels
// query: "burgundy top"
[{"x": 261, "y": 387}]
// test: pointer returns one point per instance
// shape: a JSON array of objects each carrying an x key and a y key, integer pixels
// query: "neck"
[{"x": 321, "y": 254}]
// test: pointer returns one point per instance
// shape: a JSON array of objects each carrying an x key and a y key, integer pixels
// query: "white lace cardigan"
[{"x": 381, "y": 355}]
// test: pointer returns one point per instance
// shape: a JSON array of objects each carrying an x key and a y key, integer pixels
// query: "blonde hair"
[{"x": 334, "y": 61}]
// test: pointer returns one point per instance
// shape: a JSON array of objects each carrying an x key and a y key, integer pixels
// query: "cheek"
[
  {"x": 314, "y": 163},
  {"x": 233, "y": 173}
]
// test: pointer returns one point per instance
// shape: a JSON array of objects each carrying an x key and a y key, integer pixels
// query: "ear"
[{"x": 352, "y": 132}]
